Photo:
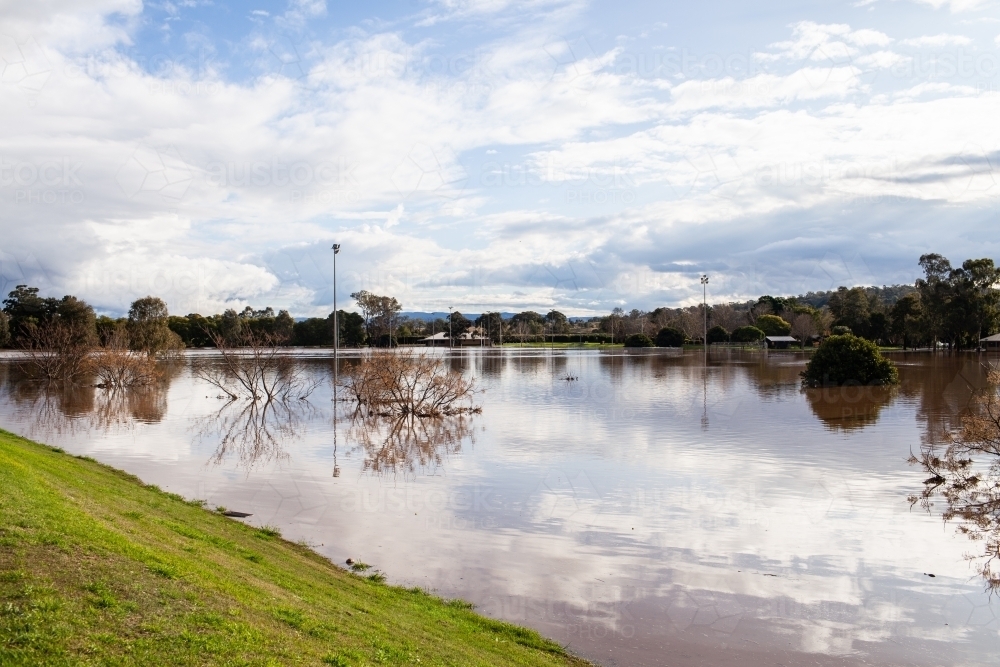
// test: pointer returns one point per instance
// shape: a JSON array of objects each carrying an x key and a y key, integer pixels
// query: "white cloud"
[
  {"x": 937, "y": 41},
  {"x": 243, "y": 185}
]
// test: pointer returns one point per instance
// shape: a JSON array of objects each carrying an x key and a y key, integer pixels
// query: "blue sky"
[{"x": 491, "y": 154}]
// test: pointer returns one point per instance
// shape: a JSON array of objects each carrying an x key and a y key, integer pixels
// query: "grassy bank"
[{"x": 98, "y": 568}]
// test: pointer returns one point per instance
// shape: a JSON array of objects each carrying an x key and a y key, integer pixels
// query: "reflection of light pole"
[
  {"x": 704, "y": 305},
  {"x": 336, "y": 359}
]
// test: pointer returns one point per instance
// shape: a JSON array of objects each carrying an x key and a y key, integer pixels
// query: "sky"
[{"x": 491, "y": 154}]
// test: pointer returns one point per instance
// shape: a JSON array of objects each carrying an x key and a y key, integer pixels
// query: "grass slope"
[{"x": 98, "y": 568}]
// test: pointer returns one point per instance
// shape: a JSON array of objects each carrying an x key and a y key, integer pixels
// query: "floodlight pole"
[
  {"x": 451, "y": 342},
  {"x": 704, "y": 306}
]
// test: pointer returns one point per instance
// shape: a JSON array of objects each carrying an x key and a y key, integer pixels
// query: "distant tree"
[
  {"x": 492, "y": 324},
  {"x": 556, "y": 322},
  {"x": 459, "y": 324},
  {"x": 352, "y": 328},
  {"x": 904, "y": 320},
  {"x": 747, "y": 334},
  {"x": 772, "y": 325},
  {"x": 803, "y": 327},
  {"x": 718, "y": 334},
  {"x": 670, "y": 337},
  {"x": 639, "y": 340},
  {"x": 4, "y": 329},
  {"x": 380, "y": 313},
  {"x": 148, "y": 327}
]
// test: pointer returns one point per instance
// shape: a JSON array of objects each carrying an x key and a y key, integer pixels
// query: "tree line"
[{"x": 953, "y": 305}]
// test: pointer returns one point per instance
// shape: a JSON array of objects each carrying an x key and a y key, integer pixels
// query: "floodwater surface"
[{"x": 642, "y": 508}]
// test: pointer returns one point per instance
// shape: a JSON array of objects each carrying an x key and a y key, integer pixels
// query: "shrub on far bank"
[
  {"x": 670, "y": 337},
  {"x": 639, "y": 340},
  {"x": 718, "y": 334},
  {"x": 841, "y": 331},
  {"x": 848, "y": 359},
  {"x": 772, "y": 325},
  {"x": 747, "y": 334}
]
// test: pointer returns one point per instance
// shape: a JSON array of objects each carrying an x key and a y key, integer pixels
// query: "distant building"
[
  {"x": 474, "y": 337},
  {"x": 990, "y": 341},
  {"x": 780, "y": 342},
  {"x": 437, "y": 340}
]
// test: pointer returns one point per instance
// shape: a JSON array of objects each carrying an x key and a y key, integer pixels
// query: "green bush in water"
[{"x": 848, "y": 359}]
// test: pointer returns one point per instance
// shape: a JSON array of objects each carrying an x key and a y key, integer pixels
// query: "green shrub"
[
  {"x": 747, "y": 334},
  {"x": 848, "y": 359},
  {"x": 718, "y": 334},
  {"x": 772, "y": 325},
  {"x": 841, "y": 331},
  {"x": 670, "y": 337},
  {"x": 639, "y": 340}
]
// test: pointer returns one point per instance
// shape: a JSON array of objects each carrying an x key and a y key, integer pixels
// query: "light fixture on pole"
[{"x": 704, "y": 305}]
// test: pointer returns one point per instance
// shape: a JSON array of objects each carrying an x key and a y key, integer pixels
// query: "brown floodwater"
[{"x": 641, "y": 508}]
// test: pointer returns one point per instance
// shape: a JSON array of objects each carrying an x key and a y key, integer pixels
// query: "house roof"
[
  {"x": 438, "y": 336},
  {"x": 995, "y": 338},
  {"x": 782, "y": 339}
]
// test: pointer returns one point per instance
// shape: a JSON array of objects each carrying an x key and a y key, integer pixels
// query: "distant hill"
[{"x": 888, "y": 295}]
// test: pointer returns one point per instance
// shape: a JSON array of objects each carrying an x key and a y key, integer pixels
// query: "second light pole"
[{"x": 704, "y": 306}]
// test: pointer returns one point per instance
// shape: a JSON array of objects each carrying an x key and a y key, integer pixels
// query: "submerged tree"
[
  {"x": 965, "y": 473},
  {"x": 395, "y": 384}
]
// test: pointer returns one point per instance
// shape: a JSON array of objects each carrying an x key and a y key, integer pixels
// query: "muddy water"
[{"x": 643, "y": 509}]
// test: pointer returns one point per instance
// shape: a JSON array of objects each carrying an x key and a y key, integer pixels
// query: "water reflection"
[
  {"x": 408, "y": 445},
  {"x": 67, "y": 407},
  {"x": 255, "y": 432},
  {"x": 848, "y": 408},
  {"x": 964, "y": 472}
]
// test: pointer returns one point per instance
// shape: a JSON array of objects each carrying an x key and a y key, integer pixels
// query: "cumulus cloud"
[{"x": 530, "y": 172}]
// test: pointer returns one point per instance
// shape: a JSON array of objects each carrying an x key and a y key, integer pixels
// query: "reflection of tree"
[
  {"x": 408, "y": 445},
  {"x": 849, "y": 407},
  {"x": 66, "y": 407},
  {"x": 965, "y": 473},
  {"x": 255, "y": 431}
]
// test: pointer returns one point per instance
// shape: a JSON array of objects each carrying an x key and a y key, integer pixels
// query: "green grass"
[{"x": 97, "y": 568}]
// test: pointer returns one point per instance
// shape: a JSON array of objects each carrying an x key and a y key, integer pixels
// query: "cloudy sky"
[{"x": 491, "y": 154}]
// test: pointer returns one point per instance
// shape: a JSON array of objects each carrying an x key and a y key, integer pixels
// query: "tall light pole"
[
  {"x": 336, "y": 327},
  {"x": 704, "y": 306},
  {"x": 451, "y": 342}
]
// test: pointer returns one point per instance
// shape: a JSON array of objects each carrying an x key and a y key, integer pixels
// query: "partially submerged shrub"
[
  {"x": 718, "y": 334},
  {"x": 56, "y": 350},
  {"x": 670, "y": 337},
  {"x": 255, "y": 367},
  {"x": 118, "y": 367},
  {"x": 405, "y": 383},
  {"x": 849, "y": 359},
  {"x": 639, "y": 340},
  {"x": 772, "y": 325},
  {"x": 966, "y": 475},
  {"x": 747, "y": 334}
]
